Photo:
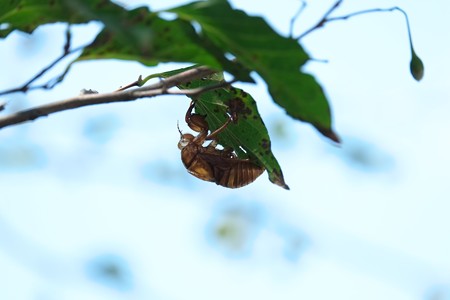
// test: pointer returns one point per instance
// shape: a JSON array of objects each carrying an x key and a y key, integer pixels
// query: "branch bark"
[{"x": 156, "y": 89}]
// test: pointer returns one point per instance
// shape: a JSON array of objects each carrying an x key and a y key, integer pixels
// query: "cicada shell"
[
  {"x": 209, "y": 163},
  {"x": 219, "y": 167}
]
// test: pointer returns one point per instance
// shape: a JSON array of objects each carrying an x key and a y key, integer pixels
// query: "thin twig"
[
  {"x": 362, "y": 12},
  {"x": 68, "y": 35},
  {"x": 373, "y": 10},
  {"x": 156, "y": 89},
  {"x": 49, "y": 84},
  {"x": 322, "y": 21},
  {"x": 130, "y": 85},
  {"x": 295, "y": 17},
  {"x": 325, "y": 19},
  {"x": 54, "y": 81},
  {"x": 319, "y": 60}
]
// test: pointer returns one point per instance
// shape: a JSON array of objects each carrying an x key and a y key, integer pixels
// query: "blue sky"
[{"x": 105, "y": 185}]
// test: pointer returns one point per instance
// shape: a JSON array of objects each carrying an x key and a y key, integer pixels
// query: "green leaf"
[
  {"x": 248, "y": 137},
  {"x": 275, "y": 58},
  {"x": 27, "y": 15},
  {"x": 136, "y": 35},
  {"x": 139, "y": 35}
]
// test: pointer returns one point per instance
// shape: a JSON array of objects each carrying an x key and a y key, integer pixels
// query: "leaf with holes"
[
  {"x": 277, "y": 59},
  {"x": 140, "y": 35},
  {"x": 136, "y": 35}
]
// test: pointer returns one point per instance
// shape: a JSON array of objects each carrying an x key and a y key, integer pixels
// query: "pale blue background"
[{"x": 99, "y": 187}]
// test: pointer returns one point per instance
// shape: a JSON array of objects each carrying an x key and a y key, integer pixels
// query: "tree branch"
[{"x": 156, "y": 89}]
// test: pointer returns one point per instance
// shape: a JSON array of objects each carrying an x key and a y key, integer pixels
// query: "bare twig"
[
  {"x": 54, "y": 81},
  {"x": 68, "y": 35},
  {"x": 319, "y": 60},
  {"x": 373, "y": 10},
  {"x": 322, "y": 21},
  {"x": 326, "y": 19},
  {"x": 362, "y": 12},
  {"x": 160, "y": 88},
  {"x": 295, "y": 17},
  {"x": 136, "y": 83}
]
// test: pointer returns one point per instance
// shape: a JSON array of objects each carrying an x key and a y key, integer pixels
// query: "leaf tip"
[
  {"x": 278, "y": 179},
  {"x": 329, "y": 133},
  {"x": 283, "y": 185}
]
